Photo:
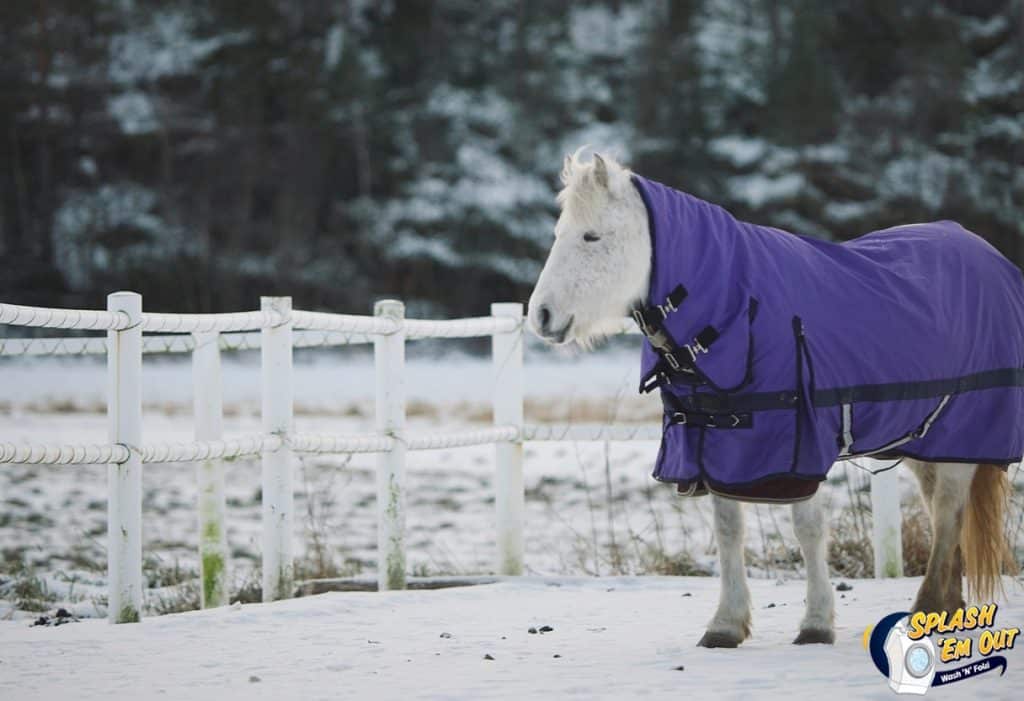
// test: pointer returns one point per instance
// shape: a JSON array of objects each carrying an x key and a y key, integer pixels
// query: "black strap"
[
  {"x": 650, "y": 318},
  {"x": 714, "y": 403},
  {"x": 702, "y": 420},
  {"x": 675, "y": 359},
  {"x": 703, "y": 340},
  {"x": 924, "y": 389}
]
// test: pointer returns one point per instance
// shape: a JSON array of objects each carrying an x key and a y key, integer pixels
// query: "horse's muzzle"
[{"x": 545, "y": 325}]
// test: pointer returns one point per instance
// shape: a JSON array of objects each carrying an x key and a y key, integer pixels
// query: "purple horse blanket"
[{"x": 778, "y": 354}]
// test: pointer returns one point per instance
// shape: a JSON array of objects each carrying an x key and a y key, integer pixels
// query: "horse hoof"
[
  {"x": 813, "y": 636},
  {"x": 718, "y": 639}
]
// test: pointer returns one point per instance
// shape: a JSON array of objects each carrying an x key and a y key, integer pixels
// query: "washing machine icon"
[{"x": 911, "y": 662}]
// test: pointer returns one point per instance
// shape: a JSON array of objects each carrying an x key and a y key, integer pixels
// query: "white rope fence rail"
[
  {"x": 183, "y": 343},
  {"x": 324, "y": 443},
  {"x": 322, "y": 330},
  {"x": 276, "y": 330},
  {"x": 435, "y": 441},
  {"x": 346, "y": 323},
  {"x": 39, "y": 454},
  {"x": 87, "y": 320},
  {"x": 199, "y": 451},
  {"x": 256, "y": 444},
  {"x": 179, "y": 343},
  {"x": 459, "y": 328},
  {"x": 86, "y": 454},
  {"x": 204, "y": 323}
]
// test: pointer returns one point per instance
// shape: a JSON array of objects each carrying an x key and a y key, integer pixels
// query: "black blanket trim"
[
  {"x": 926, "y": 389},
  {"x": 896, "y": 391}
]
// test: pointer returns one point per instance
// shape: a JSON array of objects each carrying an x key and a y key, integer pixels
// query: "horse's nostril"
[{"x": 544, "y": 317}]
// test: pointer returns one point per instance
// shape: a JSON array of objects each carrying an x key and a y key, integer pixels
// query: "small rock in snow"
[
  {"x": 687, "y": 594},
  {"x": 488, "y": 656},
  {"x": 843, "y": 586},
  {"x": 446, "y": 635},
  {"x": 770, "y": 606},
  {"x": 253, "y": 679},
  {"x": 61, "y": 617},
  {"x": 556, "y": 656},
  {"x": 546, "y": 629},
  {"x": 531, "y": 630},
  {"x": 680, "y": 668}
]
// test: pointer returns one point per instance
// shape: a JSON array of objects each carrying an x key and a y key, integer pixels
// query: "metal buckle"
[
  {"x": 677, "y": 415},
  {"x": 638, "y": 317},
  {"x": 672, "y": 361}
]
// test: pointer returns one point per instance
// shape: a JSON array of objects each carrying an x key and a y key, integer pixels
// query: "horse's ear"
[
  {"x": 600, "y": 171},
  {"x": 566, "y": 170}
]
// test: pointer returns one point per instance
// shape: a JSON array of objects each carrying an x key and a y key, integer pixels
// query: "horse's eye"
[{"x": 590, "y": 237}]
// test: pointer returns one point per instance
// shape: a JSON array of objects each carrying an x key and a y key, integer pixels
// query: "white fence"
[{"x": 276, "y": 329}]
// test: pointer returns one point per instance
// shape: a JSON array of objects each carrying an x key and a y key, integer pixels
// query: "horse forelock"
[{"x": 582, "y": 195}]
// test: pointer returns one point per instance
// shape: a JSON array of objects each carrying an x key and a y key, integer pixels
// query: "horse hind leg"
[
  {"x": 811, "y": 527},
  {"x": 731, "y": 623},
  {"x": 926, "y": 474},
  {"x": 946, "y": 488}
]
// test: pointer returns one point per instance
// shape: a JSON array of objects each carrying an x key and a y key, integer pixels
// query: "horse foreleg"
[
  {"x": 731, "y": 623},
  {"x": 946, "y": 488},
  {"x": 812, "y": 532}
]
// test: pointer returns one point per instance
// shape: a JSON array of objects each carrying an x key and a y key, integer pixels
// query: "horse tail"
[{"x": 984, "y": 548}]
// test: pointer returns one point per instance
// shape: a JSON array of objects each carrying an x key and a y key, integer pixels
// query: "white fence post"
[
  {"x": 389, "y": 362},
  {"x": 509, "y": 498},
  {"x": 887, "y": 531},
  {"x": 278, "y": 499},
  {"x": 124, "y": 481},
  {"x": 209, "y": 426}
]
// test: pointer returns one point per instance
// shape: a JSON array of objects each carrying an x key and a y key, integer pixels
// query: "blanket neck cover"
[{"x": 903, "y": 342}]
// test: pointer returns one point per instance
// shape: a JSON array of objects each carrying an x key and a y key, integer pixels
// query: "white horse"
[{"x": 598, "y": 270}]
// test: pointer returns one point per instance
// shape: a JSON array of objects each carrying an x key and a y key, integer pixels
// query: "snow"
[
  {"x": 599, "y": 31},
  {"x": 741, "y": 151},
  {"x": 757, "y": 189},
  {"x": 617, "y": 637},
  {"x": 325, "y": 381},
  {"x": 134, "y": 112},
  {"x": 992, "y": 79},
  {"x": 166, "y": 46},
  {"x": 335, "y": 44},
  {"x": 842, "y": 212},
  {"x": 923, "y": 176},
  {"x": 613, "y": 638}
]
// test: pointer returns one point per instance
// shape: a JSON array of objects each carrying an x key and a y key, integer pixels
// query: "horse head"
[{"x": 599, "y": 266}]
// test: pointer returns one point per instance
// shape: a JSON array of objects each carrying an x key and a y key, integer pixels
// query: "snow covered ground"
[
  {"x": 612, "y": 638},
  {"x": 592, "y": 509}
]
